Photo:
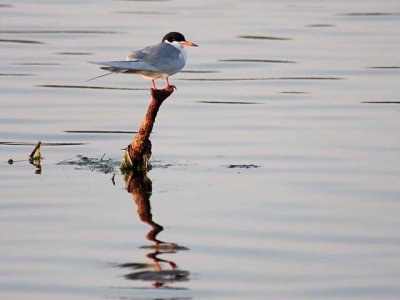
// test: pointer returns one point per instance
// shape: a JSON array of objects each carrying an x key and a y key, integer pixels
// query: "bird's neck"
[{"x": 180, "y": 47}]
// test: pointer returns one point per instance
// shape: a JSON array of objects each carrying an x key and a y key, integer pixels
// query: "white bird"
[{"x": 157, "y": 61}]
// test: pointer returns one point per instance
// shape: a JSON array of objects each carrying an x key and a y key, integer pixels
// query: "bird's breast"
[{"x": 182, "y": 54}]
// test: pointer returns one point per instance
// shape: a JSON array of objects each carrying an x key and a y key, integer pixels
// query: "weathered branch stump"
[{"x": 138, "y": 152}]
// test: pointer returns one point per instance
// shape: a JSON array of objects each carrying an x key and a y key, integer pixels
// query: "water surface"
[{"x": 275, "y": 163}]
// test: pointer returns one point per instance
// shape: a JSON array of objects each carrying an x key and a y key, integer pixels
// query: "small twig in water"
[{"x": 113, "y": 179}]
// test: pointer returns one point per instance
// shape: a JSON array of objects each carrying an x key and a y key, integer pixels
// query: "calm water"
[{"x": 275, "y": 164}]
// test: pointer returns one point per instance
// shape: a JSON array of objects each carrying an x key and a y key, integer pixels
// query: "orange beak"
[{"x": 187, "y": 43}]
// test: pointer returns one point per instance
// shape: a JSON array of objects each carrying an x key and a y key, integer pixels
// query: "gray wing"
[
  {"x": 133, "y": 66},
  {"x": 164, "y": 57}
]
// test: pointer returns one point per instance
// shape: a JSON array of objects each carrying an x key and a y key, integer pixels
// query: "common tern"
[{"x": 157, "y": 61}]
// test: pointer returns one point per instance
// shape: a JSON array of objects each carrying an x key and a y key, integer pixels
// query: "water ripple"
[
  {"x": 369, "y": 14},
  {"x": 20, "y": 41},
  {"x": 226, "y": 102},
  {"x": 59, "y": 32},
  {"x": 258, "y": 60},
  {"x": 261, "y": 37},
  {"x": 89, "y": 87},
  {"x": 263, "y": 78}
]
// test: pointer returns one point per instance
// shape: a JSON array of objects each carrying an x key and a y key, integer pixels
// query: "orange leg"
[{"x": 169, "y": 85}]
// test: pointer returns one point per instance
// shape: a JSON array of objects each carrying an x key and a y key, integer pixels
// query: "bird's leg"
[
  {"x": 169, "y": 86},
  {"x": 153, "y": 84}
]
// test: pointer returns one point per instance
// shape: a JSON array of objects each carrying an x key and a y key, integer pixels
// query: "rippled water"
[{"x": 275, "y": 164}]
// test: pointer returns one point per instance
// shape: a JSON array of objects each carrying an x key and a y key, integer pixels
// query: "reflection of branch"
[
  {"x": 153, "y": 256},
  {"x": 140, "y": 186}
]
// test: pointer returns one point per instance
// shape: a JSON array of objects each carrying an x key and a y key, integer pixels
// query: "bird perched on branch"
[{"x": 157, "y": 61}]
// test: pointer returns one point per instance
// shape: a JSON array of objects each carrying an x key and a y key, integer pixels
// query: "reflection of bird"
[{"x": 157, "y": 61}]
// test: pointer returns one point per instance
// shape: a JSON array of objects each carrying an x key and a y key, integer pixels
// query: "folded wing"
[
  {"x": 158, "y": 59},
  {"x": 166, "y": 58},
  {"x": 132, "y": 66}
]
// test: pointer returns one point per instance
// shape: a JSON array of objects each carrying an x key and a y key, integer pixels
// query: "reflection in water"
[
  {"x": 160, "y": 271},
  {"x": 37, "y": 164}
]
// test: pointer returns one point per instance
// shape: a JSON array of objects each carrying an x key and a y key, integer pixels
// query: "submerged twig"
[{"x": 35, "y": 154}]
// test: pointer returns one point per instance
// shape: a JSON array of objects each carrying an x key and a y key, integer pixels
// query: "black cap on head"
[{"x": 174, "y": 36}]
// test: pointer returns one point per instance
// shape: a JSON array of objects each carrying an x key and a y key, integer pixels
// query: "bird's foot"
[
  {"x": 170, "y": 87},
  {"x": 161, "y": 95}
]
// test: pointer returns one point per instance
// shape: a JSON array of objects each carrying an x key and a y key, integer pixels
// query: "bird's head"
[{"x": 176, "y": 38}]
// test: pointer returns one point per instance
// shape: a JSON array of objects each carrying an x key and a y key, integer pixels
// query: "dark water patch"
[
  {"x": 5, "y": 5},
  {"x": 159, "y": 287},
  {"x": 262, "y": 37},
  {"x": 89, "y": 87},
  {"x": 320, "y": 25},
  {"x": 144, "y": 13},
  {"x": 370, "y": 14},
  {"x": 384, "y": 67},
  {"x": 144, "y": 0},
  {"x": 294, "y": 92},
  {"x": 100, "y": 131},
  {"x": 381, "y": 102},
  {"x": 226, "y": 102},
  {"x": 242, "y": 166},
  {"x": 166, "y": 247},
  {"x": 74, "y": 53},
  {"x": 42, "y": 144},
  {"x": 134, "y": 266},
  {"x": 306, "y": 78},
  {"x": 262, "y": 78},
  {"x": 199, "y": 71},
  {"x": 92, "y": 164},
  {"x": 160, "y": 276},
  {"x": 168, "y": 164},
  {"x": 20, "y": 41},
  {"x": 36, "y": 64},
  {"x": 372, "y": 291},
  {"x": 259, "y": 60},
  {"x": 16, "y": 74},
  {"x": 306, "y": 6},
  {"x": 59, "y": 32}
]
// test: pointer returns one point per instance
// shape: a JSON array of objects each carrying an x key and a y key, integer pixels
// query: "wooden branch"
[{"x": 138, "y": 152}]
